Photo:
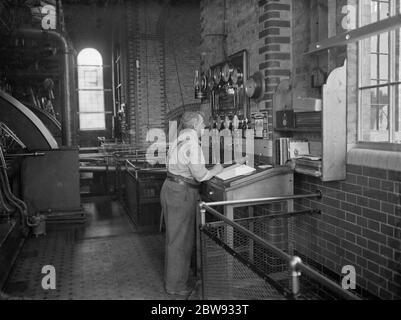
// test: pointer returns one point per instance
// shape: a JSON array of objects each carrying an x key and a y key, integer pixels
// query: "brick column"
[
  {"x": 275, "y": 26},
  {"x": 275, "y": 232},
  {"x": 275, "y": 17},
  {"x": 146, "y": 81},
  {"x": 132, "y": 45}
]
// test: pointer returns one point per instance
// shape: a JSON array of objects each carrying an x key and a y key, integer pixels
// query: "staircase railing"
[{"x": 226, "y": 232}]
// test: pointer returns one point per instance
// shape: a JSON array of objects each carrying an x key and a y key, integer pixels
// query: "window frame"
[
  {"x": 102, "y": 89},
  {"x": 391, "y": 83}
]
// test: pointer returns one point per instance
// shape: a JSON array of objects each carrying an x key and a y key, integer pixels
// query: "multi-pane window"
[
  {"x": 379, "y": 76},
  {"x": 91, "y": 90}
]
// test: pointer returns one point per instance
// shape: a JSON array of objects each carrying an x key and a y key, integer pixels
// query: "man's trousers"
[{"x": 179, "y": 207}]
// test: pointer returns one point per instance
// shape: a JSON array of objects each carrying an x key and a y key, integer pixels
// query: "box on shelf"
[
  {"x": 308, "y": 119},
  {"x": 307, "y": 104}
]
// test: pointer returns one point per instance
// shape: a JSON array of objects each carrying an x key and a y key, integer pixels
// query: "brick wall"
[
  {"x": 212, "y": 32},
  {"x": 146, "y": 103},
  {"x": 360, "y": 225},
  {"x": 182, "y": 37},
  {"x": 163, "y": 53},
  {"x": 361, "y": 216}
]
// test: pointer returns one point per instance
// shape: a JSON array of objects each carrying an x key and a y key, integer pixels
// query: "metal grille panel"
[
  {"x": 234, "y": 267},
  {"x": 226, "y": 273}
]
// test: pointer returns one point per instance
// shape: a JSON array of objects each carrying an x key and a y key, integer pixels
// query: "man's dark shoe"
[{"x": 184, "y": 292}]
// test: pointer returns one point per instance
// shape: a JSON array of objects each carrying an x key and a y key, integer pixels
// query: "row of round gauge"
[
  {"x": 226, "y": 73},
  {"x": 228, "y": 77},
  {"x": 221, "y": 75}
]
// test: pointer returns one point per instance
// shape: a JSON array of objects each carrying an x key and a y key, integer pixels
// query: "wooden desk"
[{"x": 271, "y": 182}]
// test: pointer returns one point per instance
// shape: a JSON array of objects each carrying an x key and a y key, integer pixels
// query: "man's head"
[{"x": 193, "y": 120}]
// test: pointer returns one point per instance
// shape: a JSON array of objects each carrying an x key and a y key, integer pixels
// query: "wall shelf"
[
  {"x": 311, "y": 129},
  {"x": 327, "y": 141},
  {"x": 317, "y": 174}
]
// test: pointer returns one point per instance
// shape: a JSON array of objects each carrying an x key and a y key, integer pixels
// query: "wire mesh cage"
[{"x": 235, "y": 266}]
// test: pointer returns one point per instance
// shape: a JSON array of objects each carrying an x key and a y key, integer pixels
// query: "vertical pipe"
[
  {"x": 74, "y": 100},
  {"x": 113, "y": 80},
  {"x": 66, "y": 118},
  {"x": 199, "y": 251},
  {"x": 295, "y": 274},
  {"x": 202, "y": 214}
]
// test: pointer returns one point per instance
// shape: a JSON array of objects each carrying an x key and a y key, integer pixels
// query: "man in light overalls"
[{"x": 179, "y": 195}]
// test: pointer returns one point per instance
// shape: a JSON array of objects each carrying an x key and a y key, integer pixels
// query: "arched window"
[{"x": 91, "y": 90}]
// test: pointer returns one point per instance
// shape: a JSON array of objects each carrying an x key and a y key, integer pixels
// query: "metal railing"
[
  {"x": 294, "y": 263},
  {"x": 111, "y": 160},
  {"x": 252, "y": 202}
]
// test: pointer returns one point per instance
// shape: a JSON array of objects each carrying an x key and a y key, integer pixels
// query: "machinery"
[
  {"x": 39, "y": 180},
  {"x": 25, "y": 124},
  {"x": 50, "y": 177}
]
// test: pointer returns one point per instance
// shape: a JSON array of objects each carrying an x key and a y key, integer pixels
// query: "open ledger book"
[{"x": 235, "y": 171}]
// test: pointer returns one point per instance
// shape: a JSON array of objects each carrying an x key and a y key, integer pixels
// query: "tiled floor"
[{"x": 106, "y": 258}]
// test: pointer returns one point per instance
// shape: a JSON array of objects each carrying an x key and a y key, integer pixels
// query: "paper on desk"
[{"x": 235, "y": 171}]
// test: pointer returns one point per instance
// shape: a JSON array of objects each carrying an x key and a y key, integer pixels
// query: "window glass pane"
[
  {"x": 397, "y": 107},
  {"x": 92, "y": 121},
  {"x": 374, "y": 118},
  {"x": 373, "y": 43},
  {"x": 90, "y": 77},
  {"x": 368, "y": 63},
  {"x": 397, "y": 60},
  {"x": 90, "y": 56},
  {"x": 373, "y": 96},
  {"x": 374, "y": 11},
  {"x": 383, "y": 67},
  {"x": 384, "y": 42},
  {"x": 374, "y": 125},
  {"x": 91, "y": 101},
  {"x": 383, "y": 121},
  {"x": 379, "y": 124},
  {"x": 373, "y": 67},
  {"x": 383, "y": 96},
  {"x": 366, "y": 8},
  {"x": 367, "y": 98},
  {"x": 384, "y": 10}
]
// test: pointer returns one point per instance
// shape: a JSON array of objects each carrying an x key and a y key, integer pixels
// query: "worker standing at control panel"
[{"x": 179, "y": 196}]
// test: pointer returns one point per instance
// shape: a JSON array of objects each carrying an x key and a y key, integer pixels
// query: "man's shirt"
[{"x": 185, "y": 157}]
